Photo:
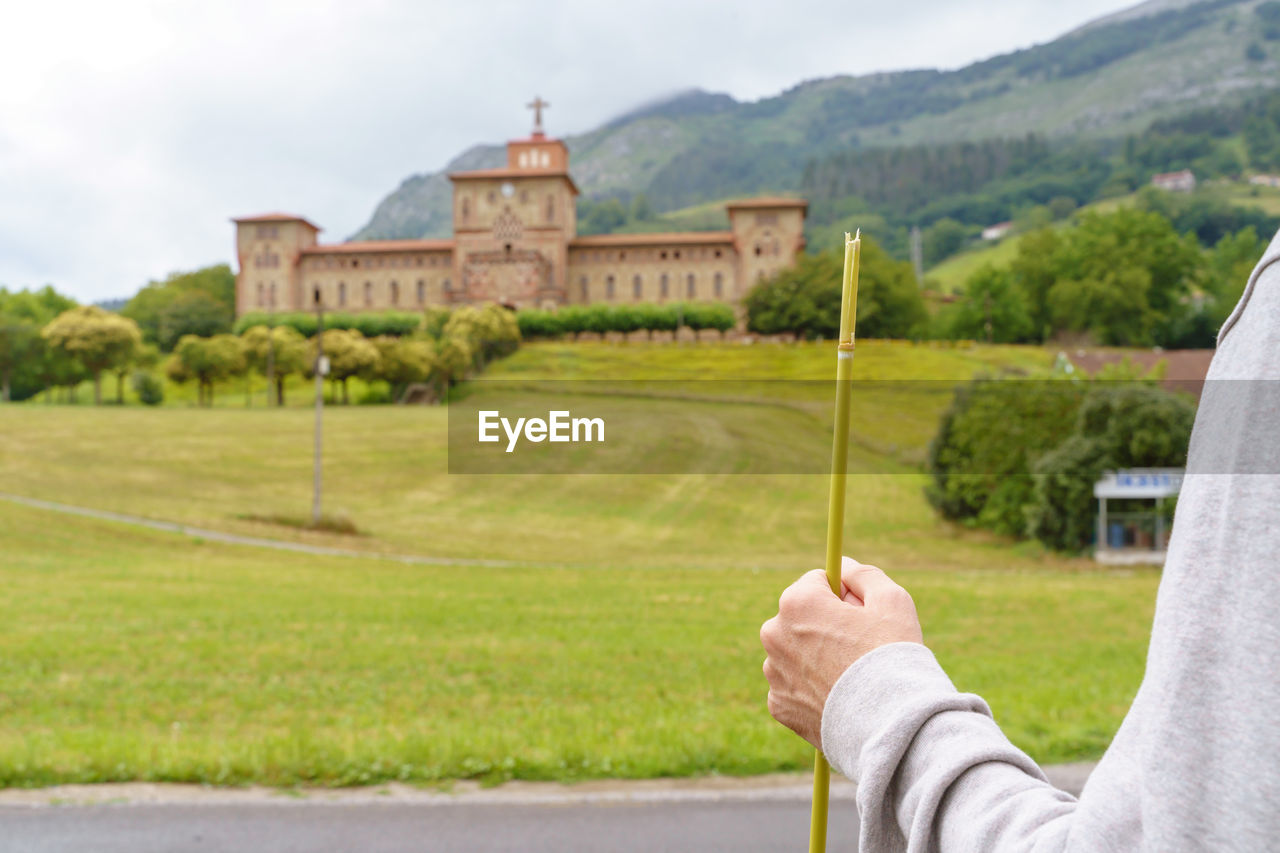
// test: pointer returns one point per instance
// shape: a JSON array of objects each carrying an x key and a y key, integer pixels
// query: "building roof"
[
  {"x": 508, "y": 172},
  {"x": 276, "y": 217},
  {"x": 375, "y": 246},
  {"x": 681, "y": 238},
  {"x": 768, "y": 201},
  {"x": 1173, "y": 176}
]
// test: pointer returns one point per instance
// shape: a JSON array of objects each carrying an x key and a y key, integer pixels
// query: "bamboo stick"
[{"x": 835, "y": 500}]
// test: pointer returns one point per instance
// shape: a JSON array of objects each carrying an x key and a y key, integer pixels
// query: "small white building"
[
  {"x": 1184, "y": 181},
  {"x": 1134, "y": 535},
  {"x": 995, "y": 232},
  {"x": 1265, "y": 181}
]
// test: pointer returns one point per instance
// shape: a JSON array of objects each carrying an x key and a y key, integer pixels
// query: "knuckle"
[{"x": 899, "y": 598}]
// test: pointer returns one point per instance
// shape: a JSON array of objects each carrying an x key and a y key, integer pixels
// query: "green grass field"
[{"x": 623, "y": 644}]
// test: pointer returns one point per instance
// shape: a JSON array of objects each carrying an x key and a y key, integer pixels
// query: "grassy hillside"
[
  {"x": 387, "y": 465},
  {"x": 1104, "y": 80}
]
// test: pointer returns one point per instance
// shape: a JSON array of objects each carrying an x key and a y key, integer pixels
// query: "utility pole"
[
  {"x": 321, "y": 368},
  {"x": 986, "y": 307},
  {"x": 917, "y": 254}
]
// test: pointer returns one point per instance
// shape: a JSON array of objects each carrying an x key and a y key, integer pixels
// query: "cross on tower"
[{"x": 537, "y": 105}]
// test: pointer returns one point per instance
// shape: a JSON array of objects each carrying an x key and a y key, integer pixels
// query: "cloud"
[{"x": 137, "y": 129}]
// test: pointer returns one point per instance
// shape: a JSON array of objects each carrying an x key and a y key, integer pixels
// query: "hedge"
[
  {"x": 371, "y": 325},
  {"x": 575, "y": 319}
]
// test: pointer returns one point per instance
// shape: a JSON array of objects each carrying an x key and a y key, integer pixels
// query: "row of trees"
[
  {"x": 445, "y": 347},
  {"x": 46, "y": 341},
  {"x": 648, "y": 317}
]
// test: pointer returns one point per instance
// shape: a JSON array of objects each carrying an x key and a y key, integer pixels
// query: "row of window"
[
  {"x": 377, "y": 262},
  {"x": 420, "y": 292},
  {"x": 664, "y": 287},
  {"x": 267, "y": 232},
  {"x": 267, "y": 260},
  {"x": 647, "y": 255}
]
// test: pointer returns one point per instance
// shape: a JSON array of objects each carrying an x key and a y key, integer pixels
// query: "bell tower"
[{"x": 512, "y": 225}]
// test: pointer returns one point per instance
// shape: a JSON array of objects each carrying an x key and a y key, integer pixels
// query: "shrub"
[
  {"x": 573, "y": 319},
  {"x": 709, "y": 315},
  {"x": 1118, "y": 426},
  {"x": 988, "y": 440},
  {"x": 372, "y": 324},
  {"x": 656, "y": 318},
  {"x": 148, "y": 387},
  {"x": 535, "y": 323}
]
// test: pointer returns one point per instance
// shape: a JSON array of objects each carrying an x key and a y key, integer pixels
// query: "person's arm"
[{"x": 934, "y": 771}]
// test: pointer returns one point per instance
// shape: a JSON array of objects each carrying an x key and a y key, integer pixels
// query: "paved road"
[
  {"x": 712, "y": 814},
  {"x": 736, "y": 825}
]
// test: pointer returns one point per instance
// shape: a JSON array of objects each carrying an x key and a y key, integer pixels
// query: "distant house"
[
  {"x": 995, "y": 232},
  {"x": 1265, "y": 181},
  {"x": 1183, "y": 181}
]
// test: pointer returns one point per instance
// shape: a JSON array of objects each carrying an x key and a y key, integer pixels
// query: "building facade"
[{"x": 515, "y": 242}]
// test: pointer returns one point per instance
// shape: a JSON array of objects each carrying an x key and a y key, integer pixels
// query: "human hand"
[{"x": 816, "y": 636}]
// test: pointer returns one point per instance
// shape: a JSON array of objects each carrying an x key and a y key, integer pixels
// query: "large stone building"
[{"x": 515, "y": 242}]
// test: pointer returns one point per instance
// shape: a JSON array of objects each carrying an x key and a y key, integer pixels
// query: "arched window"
[
  {"x": 395, "y": 293},
  {"x": 273, "y": 294},
  {"x": 260, "y": 289},
  {"x": 582, "y": 285},
  {"x": 608, "y": 288},
  {"x": 342, "y": 293},
  {"x": 551, "y": 208},
  {"x": 664, "y": 286},
  {"x": 315, "y": 293},
  {"x": 691, "y": 288},
  {"x": 637, "y": 288},
  {"x": 422, "y": 291},
  {"x": 719, "y": 285},
  {"x": 466, "y": 208},
  {"x": 368, "y": 293}
]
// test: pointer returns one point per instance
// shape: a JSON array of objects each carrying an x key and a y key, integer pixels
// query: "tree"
[
  {"x": 145, "y": 355},
  {"x": 1119, "y": 426},
  {"x": 206, "y": 360},
  {"x": 943, "y": 239},
  {"x": 403, "y": 362},
  {"x": 192, "y": 312},
  {"x": 1227, "y": 269},
  {"x": 275, "y": 353},
  {"x": 804, "y": 299},
  {"x": 17, "y": 344},
  {"x": 451, "y": 358},
  {"x": 165, "y": 310},
  {"x": 993, "y": 309},
  {"x": 96, "y": 338},
  {"x": 350, "y": 354},
  {"x": 641, "y": 211}
]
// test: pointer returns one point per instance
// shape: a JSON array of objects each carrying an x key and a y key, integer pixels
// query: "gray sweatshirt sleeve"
[{"x": 1196, "y": 762}]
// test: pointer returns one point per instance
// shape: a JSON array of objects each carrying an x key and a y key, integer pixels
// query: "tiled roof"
[
  {"x": 375, "y": 246},
  {"x": 768, "y": 201},
  {"x": 276, "y": 217},
  {"x": 682, "y": 238}
]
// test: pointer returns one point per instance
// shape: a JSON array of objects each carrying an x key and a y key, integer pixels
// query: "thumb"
[{"x": 817, "y": 577}]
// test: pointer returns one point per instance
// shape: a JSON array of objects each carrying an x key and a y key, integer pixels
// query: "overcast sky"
[{"x": 131, "y": 131}]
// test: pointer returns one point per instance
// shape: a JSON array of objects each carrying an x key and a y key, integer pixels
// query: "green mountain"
[{"x": 1107, "y": 79}]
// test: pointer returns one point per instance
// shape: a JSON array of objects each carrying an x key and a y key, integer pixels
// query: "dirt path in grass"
[{"x": 250, "y": 541}]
